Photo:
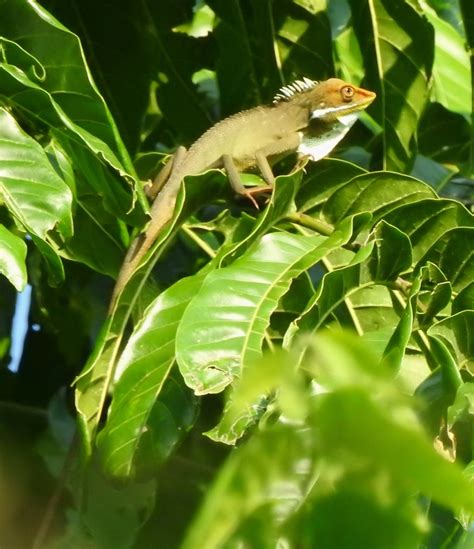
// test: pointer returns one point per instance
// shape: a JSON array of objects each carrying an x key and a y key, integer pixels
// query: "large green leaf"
[
  {"x": 31, "y": 189},
  {"x": 426, "y": 220},
  {"x": 142, "y": 371},
  {"x": 398, "y": 49},
  {"x": 213, "y": 342},
  {"x": 33, "y": 192},
  {"x": 322, "y": 179},
  {"x": 377, "y": 192}
]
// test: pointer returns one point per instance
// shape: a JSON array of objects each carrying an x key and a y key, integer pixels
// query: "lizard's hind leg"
[{"x": 163, "y": 175}]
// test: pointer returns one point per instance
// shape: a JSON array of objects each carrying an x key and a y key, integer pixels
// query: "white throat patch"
[{"x": 319, "y": 146}]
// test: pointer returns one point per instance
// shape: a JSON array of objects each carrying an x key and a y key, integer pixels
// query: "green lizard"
[{"x": 307, "y": 117}]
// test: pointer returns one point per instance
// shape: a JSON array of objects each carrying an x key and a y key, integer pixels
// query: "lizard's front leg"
[
  {"x": 283, "y": 146},
  {"x": 234, "y": 178}
]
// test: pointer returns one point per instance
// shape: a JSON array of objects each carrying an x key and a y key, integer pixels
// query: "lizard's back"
[{"x": 241, "y": 136}]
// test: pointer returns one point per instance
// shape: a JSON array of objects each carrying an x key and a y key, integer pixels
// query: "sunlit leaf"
[
  {"x": 141, "y": 373},
  {"x": 398, "y": 61},
  {"x": 12, "y": 258}
]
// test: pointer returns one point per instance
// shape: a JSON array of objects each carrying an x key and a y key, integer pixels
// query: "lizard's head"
[
  {"x": 328, "y": 101},
  {"x": 335, "y": 98}
]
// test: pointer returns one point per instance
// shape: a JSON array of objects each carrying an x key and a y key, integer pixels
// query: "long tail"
[{"x": 161, "y": 213}]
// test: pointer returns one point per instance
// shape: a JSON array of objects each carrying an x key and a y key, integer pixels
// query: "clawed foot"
[
  {"x": 301, "y": 163},
  {"x": 249, "y": 193}
]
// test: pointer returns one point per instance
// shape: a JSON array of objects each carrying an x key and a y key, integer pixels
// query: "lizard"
[{"x": 306, "y": 117}]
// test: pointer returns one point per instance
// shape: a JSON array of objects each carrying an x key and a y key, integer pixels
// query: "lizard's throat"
[{"x": 318, "y": 145}]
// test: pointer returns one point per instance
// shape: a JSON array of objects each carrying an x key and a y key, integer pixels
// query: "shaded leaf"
[
  {"x": 109, "y": 58},
  {"x": 178, "y": 57},
  {"x": 66, "y": 76},
  {"x": 396, "y": 347},
  {"x": 303, "y": 38}
]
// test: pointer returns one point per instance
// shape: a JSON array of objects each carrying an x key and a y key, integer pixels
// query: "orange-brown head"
[{"x": 328, "y": 100}]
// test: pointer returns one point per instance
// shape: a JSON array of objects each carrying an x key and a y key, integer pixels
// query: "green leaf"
[
  {"x": 212, "y": 343},
  {"x": 426, "y": 220},
  {"x": 451, "y": 75},
  {"x": 31, "y": 189},
  {"x": 456, "y": 334},
  {"x": 378, "y": 193},
  {"x": 303, "y": 39},
  {"x": 141, "y": 373},
  {"x": 92, "y": 384},
  {"x": 396, "y": 347},
  {"x": 280, "y": 204},
  {"x": 322, "y": 179},
  {"x": 392, "y": 253},
  {"x": 335, "y": 287},
  {"x": 341, "y": 415},
  {"x": 178, "y": 57},
  {"x": 114, "y": 513},
  {"x": 91, "y": 221},
  {"x": 12, "y": 258},
  {"x": 464, "y": 300},
  {"x": 439, "y": 296},
  {"x": 398, "y": 50},
  {"x": 248, "y": 397},
  {"x": 453, "y": 254},
  {"x": 468, "y": 19},
  {"x": 66, "y": 75},
  {"x": 259, "y": 473}
]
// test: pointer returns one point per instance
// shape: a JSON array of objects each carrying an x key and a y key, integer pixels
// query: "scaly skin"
[{"x": 248, "y": 139}]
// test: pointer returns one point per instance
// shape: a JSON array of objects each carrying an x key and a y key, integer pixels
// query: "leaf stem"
[{"x": 311, "y": 223}]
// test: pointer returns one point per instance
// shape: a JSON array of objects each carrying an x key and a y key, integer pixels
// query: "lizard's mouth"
[{"x": 363, "y": 99}]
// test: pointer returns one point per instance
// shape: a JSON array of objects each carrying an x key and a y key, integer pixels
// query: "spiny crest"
[{"x": 298, "y": 86}]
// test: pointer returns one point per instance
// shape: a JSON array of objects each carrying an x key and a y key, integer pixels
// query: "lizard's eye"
[{"x": 347, "y": 93}]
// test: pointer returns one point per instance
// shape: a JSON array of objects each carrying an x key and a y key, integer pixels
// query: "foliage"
[{"x": 327, "y": 336}]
